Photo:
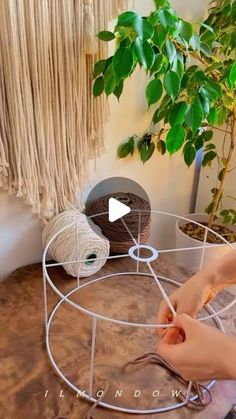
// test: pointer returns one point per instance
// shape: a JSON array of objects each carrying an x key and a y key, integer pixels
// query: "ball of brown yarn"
[{"x": 116, "y": 233}]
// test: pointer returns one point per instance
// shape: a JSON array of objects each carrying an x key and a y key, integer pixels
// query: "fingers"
[
  {"x": 171, "y": 336},
  {"x": 167, "y": 349},
  {"x": 164, "y": 317},
  {"x": 185, "y": 322},
  {"x": 171, "y": 343},
  {"x": 187, "y": 310}
]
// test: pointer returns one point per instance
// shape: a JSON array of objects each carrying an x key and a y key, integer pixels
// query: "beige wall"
[{"x": 167, "y": 181}]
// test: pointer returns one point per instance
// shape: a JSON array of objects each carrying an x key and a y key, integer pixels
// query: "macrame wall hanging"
[{"x": 50, "y": 125}]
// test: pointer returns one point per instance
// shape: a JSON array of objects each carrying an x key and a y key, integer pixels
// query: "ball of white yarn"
[{"x": 76, "y": 243}]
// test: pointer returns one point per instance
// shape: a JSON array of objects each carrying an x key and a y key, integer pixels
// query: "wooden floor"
[{"x": 29, "y": 386}]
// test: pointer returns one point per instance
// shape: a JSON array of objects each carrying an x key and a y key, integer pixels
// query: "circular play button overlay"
[{"x": 121, "y": 208}]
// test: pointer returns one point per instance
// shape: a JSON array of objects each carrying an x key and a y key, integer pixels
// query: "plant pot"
[{"x": 195, "y": 259}]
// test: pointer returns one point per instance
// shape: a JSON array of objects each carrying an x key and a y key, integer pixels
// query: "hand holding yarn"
[
  {"x": 201, "y": 355},
  {"x": 189, "y": 299},
  {"x": 200, "y": 288}
]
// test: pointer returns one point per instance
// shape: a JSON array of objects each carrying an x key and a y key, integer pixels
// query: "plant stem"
[
  {"x": 219, "y": 193},
  {"x": 220, "y": 129},
  {"x": 215, "y": 73}
]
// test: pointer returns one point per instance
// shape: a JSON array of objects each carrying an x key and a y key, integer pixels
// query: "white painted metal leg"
[
  {"x": 139, "y": 238},
  {"x": 77, "y": 248},
  {"x": 91, "y": 371},
  {"x": 203, "y": 250},
  {"x": 45, "y": 299}
]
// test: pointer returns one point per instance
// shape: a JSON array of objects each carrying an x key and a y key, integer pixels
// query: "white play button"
[{"x": 116, "y": 209}]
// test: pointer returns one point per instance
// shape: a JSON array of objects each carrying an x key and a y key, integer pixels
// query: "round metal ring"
[{"x": 138, "y": 247}]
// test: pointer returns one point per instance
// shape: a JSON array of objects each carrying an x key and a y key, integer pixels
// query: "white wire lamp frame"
[{"x": 134, "y": 253}]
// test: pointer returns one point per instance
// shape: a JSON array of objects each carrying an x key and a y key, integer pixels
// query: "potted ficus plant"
[{"x": 191, "y": 88}]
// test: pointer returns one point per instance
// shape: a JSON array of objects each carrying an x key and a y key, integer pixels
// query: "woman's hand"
[
  {"x": 189, "y": 298},
  {"x": 200, "y": 289},
  {"x": 204, "y": 354}
]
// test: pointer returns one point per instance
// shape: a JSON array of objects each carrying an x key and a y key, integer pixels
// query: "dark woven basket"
[{"x": 118, "y": 236}]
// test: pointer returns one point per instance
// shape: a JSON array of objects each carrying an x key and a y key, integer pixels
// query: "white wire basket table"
[{"x": 141, "y": 268}]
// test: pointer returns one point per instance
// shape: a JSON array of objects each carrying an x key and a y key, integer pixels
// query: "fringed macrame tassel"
[
  {"x": 3, "y": 166},
  {"x": 90, "y": 42}
]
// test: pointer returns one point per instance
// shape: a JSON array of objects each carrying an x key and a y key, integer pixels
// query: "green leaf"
[
  {"x": 177, "y": 113},
  {"x": 209, "y": 147},
  {"x": 178, "y": 67},
  {"x": 222, "y": 115},
  {"x": 170, "y": 50},
  {"x": 125, "y": 32},
  {"x": 166, "y": 101},
  {"x": 161, "y": 3},
  {"x": 158, "y": 63},
  {"x": 228, "y": 100},
  {"x": 106, "y": 35},
  {"x": 144, "y": 53},
  {"x": 175, "y": 138},
  {"x": 167, "y": 20},
  {"x": 208, "y": 38},
  {"x": 207, "y": 159},
  {"x": 153, "y": 18},
  {"x": 172, "y": 84},
  {"x": 227, "y": 219},
  {"x": 204, "y": 103},
  {"x": 220, "y": 175},
  {"x": 198, "y": 143},
  {"x": 209, "y": 208},
  {"x": 194, "y": 116},
  {"x": 123, "y": 62},
  {"x": 207, "y": 135},
  {"x": 205, "y": 49},
  {"x": 127, "y": 19},
  {"x": 209, "y": 28},
  {"x": 214, "y": 191},
  {"x": 186, "y": 30},
  {"x": 158, "y": 115},
  {"x": 99, "y": 68},
  {"x": 147, "y": 30},
  {"x": 142, "y": 26},
  {"x": 126, "y": 148},
  {"x": 154, "y": 91},
  {"x": 211, "y": 89},
  {"x": 194, "y": 42},
  {"x": 109, "y": 80},
  {"x": 189, "y": 155},
  {"x": 160, "y": 35},
  {"x": 98, "y": 86},
  {"x": 161, "y": 147},
  {"x": 119, "y": 89},
  {"x": 146, "y": 151},
  {"x": 232, "y": 75},
  {"x": 212, "y": 116}
]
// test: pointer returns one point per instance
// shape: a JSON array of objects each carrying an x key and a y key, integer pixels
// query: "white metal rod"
[
  {"x": 163, "y": 293},
  {"x": 128, "y": 230},
  {"x": 181, "y": 249},
  {"x": 51, "y": 265},
  {"x": 45, "y": 299},
  {"x": 203, "y": 250},
  {"x": 91, "y": 370},
  {"x": 139, "y": 238},
  {"x": 77, "y": 252}
]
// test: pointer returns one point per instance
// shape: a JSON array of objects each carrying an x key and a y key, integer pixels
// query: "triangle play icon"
[{"x": 116, "y": 209}]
